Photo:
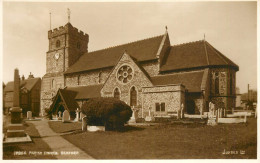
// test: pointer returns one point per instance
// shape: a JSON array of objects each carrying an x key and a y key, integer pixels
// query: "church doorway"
[
  {"x": 190, "y": 107},
  {"x": 133, "y": 97}
]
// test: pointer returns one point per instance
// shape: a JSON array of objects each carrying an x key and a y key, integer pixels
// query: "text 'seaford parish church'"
[{"x": 148, "y": 74}]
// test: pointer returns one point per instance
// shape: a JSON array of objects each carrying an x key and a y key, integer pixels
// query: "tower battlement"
[{"x": 68, "y": 28}]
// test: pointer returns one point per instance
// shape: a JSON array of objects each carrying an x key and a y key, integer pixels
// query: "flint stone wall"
[
  {"x": 173, "y": 96},
  {"x": 138, "y": 81},
  {"x": 87, "y": 78}
]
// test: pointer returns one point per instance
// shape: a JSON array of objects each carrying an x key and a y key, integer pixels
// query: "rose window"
[{"x": 125, "y": 74}]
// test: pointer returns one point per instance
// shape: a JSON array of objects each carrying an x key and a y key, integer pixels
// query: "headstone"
[
  {"x": 245, "y": 118},
  {"x": 77, "y": 115},
  {"x": 149, "y": 118},
  {"x": 59, "y": 118},
  {"x": 178, "y": 114},
  {"x": 29, "y": 115},
  {"x": 66, "y": 116},
  {"x": 134, "y": 115},
  {"x": 182, "y": 109},
  {"x": 81, "y": 115},
  {"x": 212, "y": 119},
  {"x": 84, "y": 123}
]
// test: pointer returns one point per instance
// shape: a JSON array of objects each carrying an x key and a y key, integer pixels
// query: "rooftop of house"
[{"x": 26, "y": 83}]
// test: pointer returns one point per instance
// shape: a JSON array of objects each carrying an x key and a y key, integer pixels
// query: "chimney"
[
  {"x": 23, "y": 78},
  {"x": 30, "y": 76}
]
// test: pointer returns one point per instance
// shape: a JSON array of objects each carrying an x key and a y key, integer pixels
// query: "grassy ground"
[
  {"x": 61, "y": 127},
  {"x": 37, "y": 145},
  {"x": 168, "y": 141}
]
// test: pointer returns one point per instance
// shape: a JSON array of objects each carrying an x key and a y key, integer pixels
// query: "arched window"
[
  {"x": 133, "y": 97},
  {"x": 57, "y": 43},
  {"x": 217, "y": 83},
  {"x": 117, "y": 94}
]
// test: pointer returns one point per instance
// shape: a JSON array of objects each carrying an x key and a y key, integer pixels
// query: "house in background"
[{"x": 29, "y": 95}]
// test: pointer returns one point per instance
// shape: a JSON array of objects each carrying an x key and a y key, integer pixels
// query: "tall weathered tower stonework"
[{"x": 66, "y": 45}]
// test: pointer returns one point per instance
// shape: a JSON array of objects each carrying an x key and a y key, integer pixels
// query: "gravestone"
[
  {"x": 29, "y": 115},
  {"x": 66, "y": 116},
  {"x": 212, "y": 119},
  {"x": 182, "y": 109},
  {"x": 77, "y": 115},
  {"x": 178, "y": 114},
  {"x": 134, "y": 115},
  {"x": 81, "y": 115},
  {"x": 149, "y": 118},
  {"x": 245, "y": 118},
  {"x": 59, "y": 118},
  {"x": 84, "y": 123}
]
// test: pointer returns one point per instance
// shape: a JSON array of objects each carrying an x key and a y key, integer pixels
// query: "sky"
[{"x": 231, "y": 27}]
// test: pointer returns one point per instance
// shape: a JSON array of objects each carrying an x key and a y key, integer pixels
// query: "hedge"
[{"x": 109, "y": 112}]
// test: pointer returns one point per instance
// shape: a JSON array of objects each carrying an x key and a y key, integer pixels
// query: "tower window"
[
  {"x": 57, "y": 43},
  {"x": 78, "y": 45}
]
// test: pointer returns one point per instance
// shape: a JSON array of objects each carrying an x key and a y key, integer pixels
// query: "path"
[{"x": 58, "y": 143}]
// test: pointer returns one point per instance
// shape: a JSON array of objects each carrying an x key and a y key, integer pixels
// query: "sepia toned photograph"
[{"x": 129, "y": 80}]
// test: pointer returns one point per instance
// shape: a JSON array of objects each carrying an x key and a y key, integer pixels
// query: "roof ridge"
[
  {"x": 206, "y": 52},
  {"x": 191, "y": 42},
  {"x": 125, "y": 44}
]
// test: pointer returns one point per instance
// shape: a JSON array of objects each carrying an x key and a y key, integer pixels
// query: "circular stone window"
[{"x": 125, "y": 74}]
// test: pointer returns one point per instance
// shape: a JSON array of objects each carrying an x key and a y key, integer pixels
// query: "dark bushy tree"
[{"x": 109, "y": 112}]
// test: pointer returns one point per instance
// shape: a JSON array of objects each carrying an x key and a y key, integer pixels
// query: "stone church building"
[{"x": 151, "y": 75}]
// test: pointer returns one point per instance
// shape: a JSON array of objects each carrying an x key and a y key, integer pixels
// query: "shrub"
[{"x": 109, "y": 112}]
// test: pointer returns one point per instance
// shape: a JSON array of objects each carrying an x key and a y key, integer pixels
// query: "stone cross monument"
[
  {"x": 16, "y": 111},
  {"x": 15, "y": 132}
]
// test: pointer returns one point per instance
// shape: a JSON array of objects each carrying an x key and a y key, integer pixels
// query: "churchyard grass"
[
  {"x": 37, "y": 144},
  {"x": 61, "y": 127},
  {"x": 168, "y": 141}
]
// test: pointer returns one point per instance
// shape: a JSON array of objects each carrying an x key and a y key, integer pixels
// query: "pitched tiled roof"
[
  {"x": 193, "y": 55},
  {"x": 28, "y": 84},
  {"x": 191, "y": 80},
  {"x": 86, "y": 92},
  {"x": 69, "y": 99},
  {"x": 142, "y": 50}
]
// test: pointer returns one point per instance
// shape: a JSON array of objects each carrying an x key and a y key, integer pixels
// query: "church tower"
[{"x": 66, "y": 45}]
